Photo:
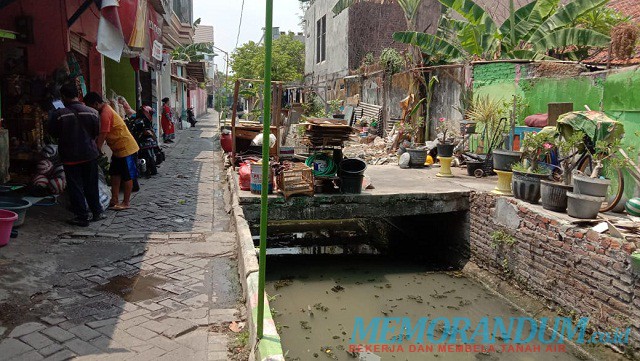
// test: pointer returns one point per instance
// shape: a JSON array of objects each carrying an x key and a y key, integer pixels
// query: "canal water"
[{"x": 316, "y": 299}]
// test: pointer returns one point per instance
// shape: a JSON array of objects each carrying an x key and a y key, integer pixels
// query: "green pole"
[{"x": 265, "y": 163}]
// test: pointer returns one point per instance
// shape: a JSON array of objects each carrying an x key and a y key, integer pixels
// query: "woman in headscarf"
[{"x": 168, "y": 130}]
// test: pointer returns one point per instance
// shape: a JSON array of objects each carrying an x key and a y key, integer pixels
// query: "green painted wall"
[
  {"x": 616, "y": 92},
  {"x": 120, "y": 78},
  {"x": 497, "y": 80},
  {"x": 580, "y": 91}
]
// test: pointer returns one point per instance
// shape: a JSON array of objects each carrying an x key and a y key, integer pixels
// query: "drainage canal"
[{"x": 322, "y": 275}]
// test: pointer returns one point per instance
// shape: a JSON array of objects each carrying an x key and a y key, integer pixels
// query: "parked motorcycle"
[
  {"x": 150, "y": 154},
  {"x": 191, "y": 118}
]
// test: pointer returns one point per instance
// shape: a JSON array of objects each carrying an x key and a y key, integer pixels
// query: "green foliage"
[
  {"x": 247, "y": 61},
  {"x": 391, "y": 61},
  {"x": 486, "y": 110},
  {"x": 314, "y": 107},
  {"x": 568, "y": 149},
  {"x": 192, "y": 52},
  {"x": 536, "y": 147},
  {"x": 334, "y": 106},
  {"x": 607, "y": 151},
  {"x": 521, "y": 107},
  {"x": 602, "y": 19},
  {"x": 532, "y": 32},
  {"x": 369, "y": 59},
  {"x": 501, "y": 237}
]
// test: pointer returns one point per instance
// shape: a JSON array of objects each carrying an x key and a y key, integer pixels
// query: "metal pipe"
[{"x": 268, "y": 42}]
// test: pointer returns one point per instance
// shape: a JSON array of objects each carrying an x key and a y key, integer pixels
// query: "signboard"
[{"x": 157, "y": 50}]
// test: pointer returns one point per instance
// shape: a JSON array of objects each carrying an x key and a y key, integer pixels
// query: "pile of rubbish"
[{"x": 375, "y": 152}]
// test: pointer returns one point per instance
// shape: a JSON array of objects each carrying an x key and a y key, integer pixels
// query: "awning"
[
  {"x": 197, "y": 71},
  {"x": 179, "y": 78}
]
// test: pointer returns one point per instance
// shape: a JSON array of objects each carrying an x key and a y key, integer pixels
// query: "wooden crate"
[{"x": 296, "y": 180}]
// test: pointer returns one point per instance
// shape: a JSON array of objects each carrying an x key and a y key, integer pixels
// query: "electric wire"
[{"x": 240, "y": 24}]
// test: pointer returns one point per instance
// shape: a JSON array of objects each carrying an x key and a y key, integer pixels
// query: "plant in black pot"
[
  {"x": 489, "y": 116},
  {"x": 528, "y": 173},
  {"x": 554, "y": 193},
  {"x": 447, "y": 134},
  {"x": 417, "y": 152},
  {"x": 590, "y": 190}
]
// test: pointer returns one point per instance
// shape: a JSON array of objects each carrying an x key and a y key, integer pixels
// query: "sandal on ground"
[{"x": 119, "y": 207}]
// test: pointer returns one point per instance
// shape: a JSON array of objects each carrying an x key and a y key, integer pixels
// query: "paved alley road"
[{"x": 157, "y": 282}]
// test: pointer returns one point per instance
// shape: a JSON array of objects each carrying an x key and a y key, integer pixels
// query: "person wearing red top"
[{"x": 168, "y": 131}]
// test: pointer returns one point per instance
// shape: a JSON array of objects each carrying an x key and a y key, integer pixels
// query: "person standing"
[
  {"x": 124, "y": 167},
  {"x": 168, "y": 130},
  {"x": 76, "y": 126}
]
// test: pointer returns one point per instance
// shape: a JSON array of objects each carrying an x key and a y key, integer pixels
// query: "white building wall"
[{"x": 337, "y": 47}]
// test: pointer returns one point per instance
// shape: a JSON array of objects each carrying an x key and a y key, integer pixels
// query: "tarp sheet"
[{"x": 596, "y": 125}]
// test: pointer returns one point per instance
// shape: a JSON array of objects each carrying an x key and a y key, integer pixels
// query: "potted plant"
[
  {"x": 418, "y": 153},
  {"x": 591, "y": 190},
  {"x": 447, "y": 132},
  {"x": 334, "y": 108},
  {"x": 592, "y": 184},
  {"x": 528, "y": 173},
  {"x": 489, "y": 116},
  {"x": 554, "y": 194}
]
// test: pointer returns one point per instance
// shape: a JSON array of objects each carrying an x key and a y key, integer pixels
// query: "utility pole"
[{"x": 226, "y": 55}]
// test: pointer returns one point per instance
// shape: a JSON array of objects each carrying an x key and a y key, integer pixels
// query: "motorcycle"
[
  {"x": 191, "y": 118},
  {"x": 150, "y": 154}
]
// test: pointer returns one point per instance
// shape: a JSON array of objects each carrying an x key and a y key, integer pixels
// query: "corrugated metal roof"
[{"x": 203, "y": 34}]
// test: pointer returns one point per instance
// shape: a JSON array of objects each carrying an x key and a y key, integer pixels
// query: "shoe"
[
  {"x": 98, "y": 217},
  {"x": 78, "y": 222}
]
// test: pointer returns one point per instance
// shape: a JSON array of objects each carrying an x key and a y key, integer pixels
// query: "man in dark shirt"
[{"x": 77, "y": 127}]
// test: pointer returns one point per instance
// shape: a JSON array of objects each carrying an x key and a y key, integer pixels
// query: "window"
[{"x": 321, "y": 37}]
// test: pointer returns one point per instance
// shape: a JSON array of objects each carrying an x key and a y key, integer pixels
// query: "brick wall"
[{"x": 575, "y": 269}]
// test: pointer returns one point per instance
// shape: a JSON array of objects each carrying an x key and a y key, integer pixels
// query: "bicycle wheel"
[{"x": 616, "y": 188}]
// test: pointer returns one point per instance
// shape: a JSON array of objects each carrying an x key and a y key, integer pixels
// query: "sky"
[{"x": 224, "y": 15}]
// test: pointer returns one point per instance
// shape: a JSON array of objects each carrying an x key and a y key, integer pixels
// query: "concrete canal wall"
[{"x": 574, "y": 269}]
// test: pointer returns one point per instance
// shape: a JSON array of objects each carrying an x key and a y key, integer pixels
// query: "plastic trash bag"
[{"x": 104, "y": 190}]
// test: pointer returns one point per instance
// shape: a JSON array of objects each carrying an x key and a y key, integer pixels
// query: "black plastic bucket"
[
  {"x": 352, "y": 167},
  {"x": 351, "y": 183}
]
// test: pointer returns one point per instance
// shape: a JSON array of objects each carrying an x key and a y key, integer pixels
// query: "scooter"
[
  {"x": 150, "y": 154},
  {"x": 191, "y": 118}
]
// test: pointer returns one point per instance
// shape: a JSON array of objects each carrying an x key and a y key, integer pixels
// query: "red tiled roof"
[{"x": 627, "y": 8}]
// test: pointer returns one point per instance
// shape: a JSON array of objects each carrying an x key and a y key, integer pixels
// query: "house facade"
[{"x": 334, "y": 45}]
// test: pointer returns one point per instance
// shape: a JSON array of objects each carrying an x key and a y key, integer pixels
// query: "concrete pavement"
[{"x": 157, "y": 282}]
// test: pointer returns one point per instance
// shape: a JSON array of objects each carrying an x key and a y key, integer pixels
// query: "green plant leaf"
[
  {"x": 521, "y": 16},
  {"x": 429, "y": 44},
  {"x": 573, "y": 36},
  {"x": 473, "y": 12},
  {"x": 410, "y": 8},
  {"x": 564, "y": 16}
]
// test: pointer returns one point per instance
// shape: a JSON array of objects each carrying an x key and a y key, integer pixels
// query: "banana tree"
[
  {"x": 530, "y": 32},
  {"x": 192, "y": 52}
]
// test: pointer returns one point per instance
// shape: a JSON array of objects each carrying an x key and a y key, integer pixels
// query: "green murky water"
[{"x": 317, "y": 298}]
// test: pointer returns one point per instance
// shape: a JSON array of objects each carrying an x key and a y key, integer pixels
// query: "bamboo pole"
[{"x": 268, "y": 42}]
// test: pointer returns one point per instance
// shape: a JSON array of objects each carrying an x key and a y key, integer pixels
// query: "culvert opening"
[{"x": 438, "y": 239}]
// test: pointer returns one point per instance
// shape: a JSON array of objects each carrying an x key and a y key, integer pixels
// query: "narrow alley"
[{"x": 156, "y": 282}]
